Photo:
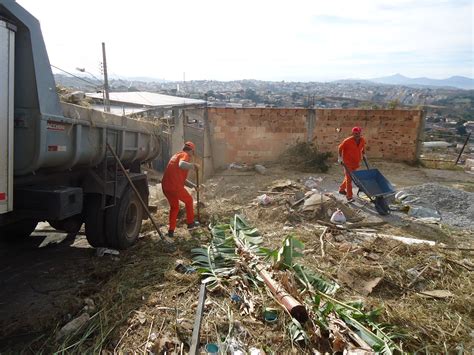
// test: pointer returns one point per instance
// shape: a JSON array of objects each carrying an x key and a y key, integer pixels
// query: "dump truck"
[{"x": 55, "y": 164}]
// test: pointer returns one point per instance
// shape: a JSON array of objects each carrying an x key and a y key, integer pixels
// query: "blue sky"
[{"x": 267, "y": 40}]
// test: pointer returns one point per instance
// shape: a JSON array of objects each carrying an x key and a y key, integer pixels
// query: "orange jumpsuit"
[
  {"x": 172, "y": 185},
  {"x": 351, "y": 153}
]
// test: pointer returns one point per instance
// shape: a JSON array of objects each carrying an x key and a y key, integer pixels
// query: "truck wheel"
[
  {"x": 381, "y": 206},
  {"x": 94, "y": 220},
  {"x": 124, "y": 221},
  {"x": 18, "y": 230},
  {"x": 69, "y": 225}
]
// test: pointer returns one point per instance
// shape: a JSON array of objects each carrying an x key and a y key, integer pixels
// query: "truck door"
[{"x": 7, "y": 72}]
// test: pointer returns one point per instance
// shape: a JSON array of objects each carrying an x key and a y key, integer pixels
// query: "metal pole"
[
  {"x": 197, "y": 321},
  {"x": 106, "y": 80},
  {"x": 462, "y": 150}
]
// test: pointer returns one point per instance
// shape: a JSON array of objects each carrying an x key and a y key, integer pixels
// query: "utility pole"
[{"x": 106, "y": 80}]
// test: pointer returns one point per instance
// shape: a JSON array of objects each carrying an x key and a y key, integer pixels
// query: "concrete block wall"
[
  {"x": 251, "y": 135},
  {"x": 390, "y": 134}
]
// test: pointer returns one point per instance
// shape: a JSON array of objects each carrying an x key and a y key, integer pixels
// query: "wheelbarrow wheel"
[{"x": 381, "y": 206}]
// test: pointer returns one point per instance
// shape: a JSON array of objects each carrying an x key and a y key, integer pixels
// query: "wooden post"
[
  {"x": 462, "y": 150},
  {"x": 145, "y": 207}
]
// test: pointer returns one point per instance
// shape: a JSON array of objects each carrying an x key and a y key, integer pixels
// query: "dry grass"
[{"x": 140, "y": 297}]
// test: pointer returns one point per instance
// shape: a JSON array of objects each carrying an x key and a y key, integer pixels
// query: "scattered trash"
[
  {"x": 255, "y": 351},
  {"x": 260, "y": 169},
  {"x": 264, "y": 200},
  {"x": 182, "y": 268},
  {"x": 240, "y": 167},
  {"x": 312, "y": 182},
  {"x": 235, "y": 298},
  {"x": 235, "y": 347},
  {"x": 424, "y": 213},
  {"x": 102, "y": 251},
  {"x": 141, "y": 317},
  {"x": 211, "y": 348},
  {"x": 270, "y": 315},
  {"x": 338, "y": 217},
  {"x": 73, "y": 325},
  {"x": 314, "y": 201},
  {"x": 90, "y": 306}
]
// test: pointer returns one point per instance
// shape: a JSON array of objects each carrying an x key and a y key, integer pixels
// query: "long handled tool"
[
  {"x": 145, "y": 207},
  {"x": 197, "y": 195}
]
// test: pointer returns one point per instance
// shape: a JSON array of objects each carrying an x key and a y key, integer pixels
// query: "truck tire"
[
  {"x": 94, "y": 220},
  {"x": 18, "y": 230},
  {"x": 69, "y": 225},
  {"x": 124, "y": 221}
]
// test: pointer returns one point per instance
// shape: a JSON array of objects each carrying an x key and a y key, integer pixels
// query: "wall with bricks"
[
  {"x": 390, "y": 134},
  {"x": 251, "y": 135}
]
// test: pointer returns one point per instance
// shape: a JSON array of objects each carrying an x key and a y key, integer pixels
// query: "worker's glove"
[
  {"x": 339, "y": 159},
  {"x": 196, "y": 166}
]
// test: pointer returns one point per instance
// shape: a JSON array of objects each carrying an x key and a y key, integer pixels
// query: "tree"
[{"x": 392, "y": 105}]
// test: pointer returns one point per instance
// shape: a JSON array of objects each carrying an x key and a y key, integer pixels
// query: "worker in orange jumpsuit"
[
  {"x": 351, "y": 152},
  {"x": 173, "y": 182}
]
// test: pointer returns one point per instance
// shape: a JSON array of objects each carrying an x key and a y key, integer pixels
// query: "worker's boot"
[
  {"x": 170, "y": 234},
  {"x": 193, "y": 225}
]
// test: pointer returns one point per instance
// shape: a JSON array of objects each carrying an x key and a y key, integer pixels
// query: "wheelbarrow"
[{"x": 374, "y": 185}]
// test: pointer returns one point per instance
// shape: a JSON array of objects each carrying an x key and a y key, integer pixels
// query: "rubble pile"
[{"x": 455, "y": 206}]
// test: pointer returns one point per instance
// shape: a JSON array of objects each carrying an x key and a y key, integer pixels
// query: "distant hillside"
[{"x": 460, "y": 82}]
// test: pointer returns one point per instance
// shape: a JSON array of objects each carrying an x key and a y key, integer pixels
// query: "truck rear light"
[{"x": 3, "y": 196}]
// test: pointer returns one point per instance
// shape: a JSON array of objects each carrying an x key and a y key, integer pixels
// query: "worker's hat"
[
  {"x": 356, "y": 130},
  {"x": 190, "y": 145}
]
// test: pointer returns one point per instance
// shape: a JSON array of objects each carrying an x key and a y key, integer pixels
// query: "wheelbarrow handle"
[{"x": 366, "y": 162}]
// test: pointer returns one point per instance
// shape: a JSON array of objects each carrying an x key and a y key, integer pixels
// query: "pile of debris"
[
  {"x": 456, "y": 207},
  {"x": 304, "y": 201},
  {"x": 278, "y": 296}
]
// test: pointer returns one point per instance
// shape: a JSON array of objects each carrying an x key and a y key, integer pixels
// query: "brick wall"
[
  {"x": 251, "y": 135},
  {"x": 390, "y": 134}
]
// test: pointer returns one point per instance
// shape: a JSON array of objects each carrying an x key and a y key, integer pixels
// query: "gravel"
[{"x": 455, "y": 206}]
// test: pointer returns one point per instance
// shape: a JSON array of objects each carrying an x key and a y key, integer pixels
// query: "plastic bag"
[
  {"x": 338, "y": 217},
  {"x": 264, "y": 200}
]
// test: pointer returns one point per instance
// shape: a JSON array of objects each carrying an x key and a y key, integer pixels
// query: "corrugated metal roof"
[{"x": 149, "y": 99}]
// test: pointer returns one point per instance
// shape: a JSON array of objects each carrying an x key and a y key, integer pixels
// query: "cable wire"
[{"x": 77, "y": 77}]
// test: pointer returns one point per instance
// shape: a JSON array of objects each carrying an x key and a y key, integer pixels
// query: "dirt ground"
[{"x": 138, "y": 302}]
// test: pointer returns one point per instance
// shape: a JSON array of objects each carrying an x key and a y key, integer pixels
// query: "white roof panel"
[{"x": 149, "y": 99}]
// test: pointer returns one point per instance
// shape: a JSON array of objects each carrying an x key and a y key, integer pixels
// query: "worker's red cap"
[
  {"x": 356, "y": 130},
  {"x": 190, "y": 145}
]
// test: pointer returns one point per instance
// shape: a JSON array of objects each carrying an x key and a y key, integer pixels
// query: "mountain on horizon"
[{"x": 460, "y": 82}]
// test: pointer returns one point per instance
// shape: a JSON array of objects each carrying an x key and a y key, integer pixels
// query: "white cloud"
[{"x": 299, "y": 40}]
